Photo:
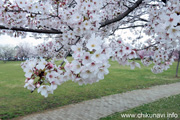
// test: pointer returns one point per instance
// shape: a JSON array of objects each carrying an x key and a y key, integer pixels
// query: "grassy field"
[
  {"x": 168, "y": 108},
  {"x": 16, "y": 101}
]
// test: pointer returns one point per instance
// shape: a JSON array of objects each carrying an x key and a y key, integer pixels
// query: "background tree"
[
  {"x": 1, "y": 53},
  {"x": 177, "y": 55},
  {"x": 6, "y": 52},
  {"x": 25, "y": 50}
]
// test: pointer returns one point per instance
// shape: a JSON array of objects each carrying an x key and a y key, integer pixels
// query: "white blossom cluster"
[
  {"x": 123, "y": 53},
  {"x": 164, "y": 27},
  {"x": 86, "y": 68},
  {"x": 90, "y": 65},
  {"x": 43, "y": 75}
]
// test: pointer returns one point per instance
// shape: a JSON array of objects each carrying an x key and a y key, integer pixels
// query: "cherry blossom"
[
  {"x": 44, "y": 90},
  {"x": 30, "y": 85},
  {"x": 94, "y": 43}
]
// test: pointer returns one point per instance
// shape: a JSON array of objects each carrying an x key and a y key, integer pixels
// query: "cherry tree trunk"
[{"x": 178, "y": 64}]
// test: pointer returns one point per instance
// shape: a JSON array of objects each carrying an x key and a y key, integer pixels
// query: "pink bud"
[
  {"x": 51, "y": 65},
  {"x": 38, "y": 85},
  {"x": 53, "y": 82},
  {"x": 26, "y": 81}
]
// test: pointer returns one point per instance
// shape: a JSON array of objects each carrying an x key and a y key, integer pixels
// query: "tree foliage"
[
  {"x": 25, "y": 50},
  {"x": 6, "y": 52}
]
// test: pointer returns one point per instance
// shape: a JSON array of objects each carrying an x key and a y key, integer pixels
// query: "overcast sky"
[{"x": 7, "y": 40}]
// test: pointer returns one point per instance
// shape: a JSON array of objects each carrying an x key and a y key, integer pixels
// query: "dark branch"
[
  {"x": 148, "y": 46},
  {"x": 144, "y": 20},
  {"x": 164, "y": 1},
  {"x": 59, "y": 48},
  {"x": 135, "y": 26},
  {"x": 53, "y": 31},
  {"x": 121, "y": 16}
]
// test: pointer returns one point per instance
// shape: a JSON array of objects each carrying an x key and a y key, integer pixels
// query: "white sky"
[{"x": 7, "y": 40}]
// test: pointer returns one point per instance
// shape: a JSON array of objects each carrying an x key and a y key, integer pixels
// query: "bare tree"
[
  {"x": 178, "y": 63},
  {"x": 6, "y": 52},
  {"x": 25, "y": 50}
]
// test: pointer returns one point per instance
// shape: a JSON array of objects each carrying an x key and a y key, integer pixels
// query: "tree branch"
[
  {"x": 135, "y": 26},
  {"x": 53, "y": 31},
  {"x": 148, "y": 46},
  {"x": 164, "y": 1},
  {"x": 121, "y": 16},
  {"x": 59, "y": 48}
]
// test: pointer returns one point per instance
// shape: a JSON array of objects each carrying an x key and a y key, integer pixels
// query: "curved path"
[{"x": 97, "y": 108}]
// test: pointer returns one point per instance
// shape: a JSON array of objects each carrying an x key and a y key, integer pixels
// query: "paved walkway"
[{"x": 97, "y": 108}]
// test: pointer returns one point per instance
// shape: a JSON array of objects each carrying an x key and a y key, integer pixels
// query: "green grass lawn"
[
  {"x": 163, "y": 109},
  {"x": 16, "y": 101}
]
